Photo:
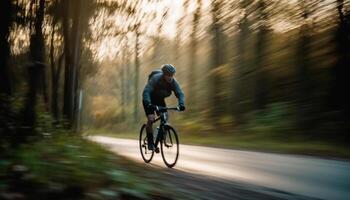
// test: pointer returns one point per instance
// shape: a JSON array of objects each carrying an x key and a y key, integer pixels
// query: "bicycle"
[{"x": 166, "y": 136}]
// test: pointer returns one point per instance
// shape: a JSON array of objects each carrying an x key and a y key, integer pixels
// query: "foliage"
[
  {"x": 276, "y": 120},
  {"x": 104, "y": 109},
  {"x": 71, "y": 167}
]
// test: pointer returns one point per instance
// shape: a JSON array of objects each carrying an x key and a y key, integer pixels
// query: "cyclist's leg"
[
  {"x": 150, "y": 119},
  {"x": 159, "y": 102},
  {"x": 149, "y": 130}
]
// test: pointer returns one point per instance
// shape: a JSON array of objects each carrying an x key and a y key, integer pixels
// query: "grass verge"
[{"x": 69, "y": 167}]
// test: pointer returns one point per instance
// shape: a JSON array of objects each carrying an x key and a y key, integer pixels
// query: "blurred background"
[
  {"x": 275, "y": 69},
  {"x": 270, "y": 69},
  {"x": 257, "y": 74}
]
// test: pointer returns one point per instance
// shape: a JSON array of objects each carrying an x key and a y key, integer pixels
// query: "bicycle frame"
[
  {"x": 163, "y": 121},
  {"x": 163, "y": 117}
]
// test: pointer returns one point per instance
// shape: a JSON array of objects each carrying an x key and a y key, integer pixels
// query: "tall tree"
[
  {"x": 36, "y": 76},
  {"x": 260, "y": 99},
  {"x": 216, "y": 96},
  {"x": 192, "y": 76},
  {"x": 137, "y": 71},
  {"x": 179, "y": 31},
  {"x": 128, "y": 72},
  {"x": 6, "y": 9},
  {"x": 76, "y": 35},
  {"x": 123, "y": 79},
  {"x": 304, "y": 79},
  {"x": 68, "y": 90},
  {"x": 241, "y": 67},
  {"x": 56, "y": 68},
  {"x": 339, "y": 100},
  {"x": 75, "y": 16}
]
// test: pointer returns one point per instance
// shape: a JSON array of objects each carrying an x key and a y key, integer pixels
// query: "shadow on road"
[{"x": 210, "y": 187}]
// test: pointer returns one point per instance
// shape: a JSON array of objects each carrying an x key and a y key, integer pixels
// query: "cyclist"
[{"x": 159, "y": 86}]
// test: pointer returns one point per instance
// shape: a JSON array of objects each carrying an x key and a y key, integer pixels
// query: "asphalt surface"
[{"x": 284, "y": 176}]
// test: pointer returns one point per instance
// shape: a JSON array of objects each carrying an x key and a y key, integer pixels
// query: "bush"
[{"x": 276, "y": 120}]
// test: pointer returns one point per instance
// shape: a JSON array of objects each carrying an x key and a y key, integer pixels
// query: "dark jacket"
[{"x": 158, "y": 88}]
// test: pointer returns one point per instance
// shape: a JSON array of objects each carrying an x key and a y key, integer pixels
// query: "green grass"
[
  {"x": 258, "y": 142},
  {"x": 70, "y": 165}
]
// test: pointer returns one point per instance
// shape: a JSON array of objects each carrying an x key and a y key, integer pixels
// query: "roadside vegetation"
[
  {"x": 271, "y": 131},
  {"x": 70, "y": 167}
]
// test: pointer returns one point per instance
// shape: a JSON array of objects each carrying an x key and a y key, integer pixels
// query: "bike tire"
[
  {"x": 146, "y": 154},
  {"x": 170, "y": 138}
]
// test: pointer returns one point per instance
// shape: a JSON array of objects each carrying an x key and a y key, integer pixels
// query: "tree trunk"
[
  {"x": 137, "y": 74},
  {"x": 67, "y": 102},
  {"x": 338, "y": 97},
  {"x": 6, "y": 119},
  {"x": 36, "y": 78},
  {"x": 192, "y": 76},
  {"x": 54, "y": 76},
  {"x": 216, "y": 97},
  {"x": 55, "y": 73},
  {"x": 129, "y": 77},
  {"x": 72, "y": 43},
  {"x": 123, "y": 83},
  {"x": 238, "y": 85},
  {"x": 76, "y": 36},
  {"x": 303, "y": 76},
  {"x": 260, "y": 72},
  {"x": 5, "y": 23},
  {"x": 28, "y": 114}
]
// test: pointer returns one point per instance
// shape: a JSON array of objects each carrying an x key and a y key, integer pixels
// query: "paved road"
[{"x": 301, "y": 175}]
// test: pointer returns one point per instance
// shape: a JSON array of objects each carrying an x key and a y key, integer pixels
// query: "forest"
[{"x": 271, "y": 70}]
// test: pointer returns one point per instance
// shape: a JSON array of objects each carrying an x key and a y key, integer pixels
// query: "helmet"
[{"x": 168, "y": 69}]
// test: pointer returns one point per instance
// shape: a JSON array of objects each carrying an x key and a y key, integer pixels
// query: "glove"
[{"x": 181, "y": 107}]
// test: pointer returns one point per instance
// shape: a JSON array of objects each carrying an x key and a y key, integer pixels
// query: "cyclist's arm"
[
  {"x": 146, "y": 95},
  {"x": 179, "y": 93}
]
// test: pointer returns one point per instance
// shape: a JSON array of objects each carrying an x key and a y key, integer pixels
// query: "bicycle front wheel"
[
  {"x": 170, "y": 147},
  {"x": 146, "y": 154}
]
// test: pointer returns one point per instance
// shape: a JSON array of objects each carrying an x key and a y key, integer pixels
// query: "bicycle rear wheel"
[
  {"x": 170, "y": 147},
  {"x": 146, "y": 154}
]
